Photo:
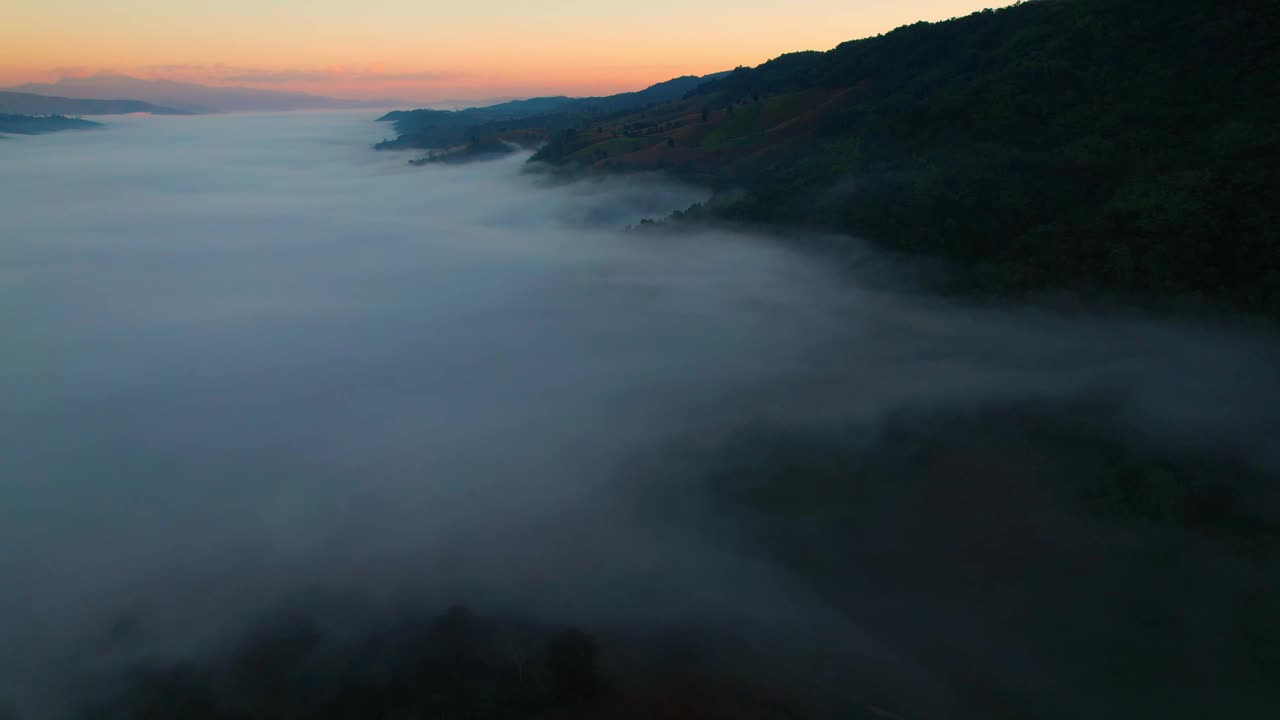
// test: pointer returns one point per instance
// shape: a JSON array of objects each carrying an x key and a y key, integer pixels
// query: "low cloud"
[
  {"x": 279, "y": 361},
  {"x": 182, "y": 68},
  {"x": 280, "y": 76},
  {"x": 80, "y": 71}
]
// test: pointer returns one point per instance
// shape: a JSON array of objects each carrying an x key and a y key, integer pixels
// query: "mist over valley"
[{"x": 289, "y": 428}]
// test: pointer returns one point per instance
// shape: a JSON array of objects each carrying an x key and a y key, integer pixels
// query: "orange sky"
[{"x": 431, "y": 50}]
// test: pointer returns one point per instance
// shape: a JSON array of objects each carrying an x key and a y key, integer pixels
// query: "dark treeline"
[
  {"x": 294, "y": 664},
  {"x": 38, "y": 124},
  {"x": 332, "y": 656}
]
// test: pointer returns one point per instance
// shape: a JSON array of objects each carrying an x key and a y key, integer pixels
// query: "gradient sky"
[{"x": 430, "y": 50}]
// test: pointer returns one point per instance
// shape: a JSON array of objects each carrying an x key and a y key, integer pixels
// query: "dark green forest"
[{"x": 1113, "y": 148}]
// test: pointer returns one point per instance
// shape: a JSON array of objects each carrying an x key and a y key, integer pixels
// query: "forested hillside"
[
  {"x": 1117, "y": 147},
  {"x": 529, "y": 120},
  {"x": 39, "y": 124}
]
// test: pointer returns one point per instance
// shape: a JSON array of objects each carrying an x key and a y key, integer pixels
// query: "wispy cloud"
[
  {"x": 181, "y": 68},
  {"x": 279, "y": 76},
  {"x": 79, "y": 71},
  {"x": 289, "y": 76}
]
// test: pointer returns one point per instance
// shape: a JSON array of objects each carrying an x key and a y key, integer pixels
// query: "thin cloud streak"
[{"x": 352, "y": 73}]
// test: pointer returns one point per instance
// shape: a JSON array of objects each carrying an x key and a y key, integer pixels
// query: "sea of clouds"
[{"x": 245, "y": 354}]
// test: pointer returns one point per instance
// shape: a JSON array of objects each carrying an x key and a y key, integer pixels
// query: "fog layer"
[{"x": 245, "y": 355}]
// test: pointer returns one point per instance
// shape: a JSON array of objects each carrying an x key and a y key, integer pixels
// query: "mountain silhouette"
[
  {"x": 31, "y": 104},
  {"x": 190, "y": 97}
]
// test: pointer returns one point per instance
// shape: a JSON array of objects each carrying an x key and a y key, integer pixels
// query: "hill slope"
[
  {"x": 1121, "y": 147},
  {"x": 186, "y": 96},
  {"x": 31, "y": 104},
  {"x": 524, "y": 120},
  {"x": 38, "y": 125}
]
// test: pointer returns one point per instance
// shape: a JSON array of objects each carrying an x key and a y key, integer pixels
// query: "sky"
[{"x": 428, "y": 50}]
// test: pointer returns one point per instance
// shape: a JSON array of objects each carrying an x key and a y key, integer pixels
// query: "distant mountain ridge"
[
  {"x": 523, "y": 119},
  {"x": 511, "y": 109},
  {"x": 21, "y": 103},
  {"x": 190, "y": 97},
  {"x": 38, "y": 125}
]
